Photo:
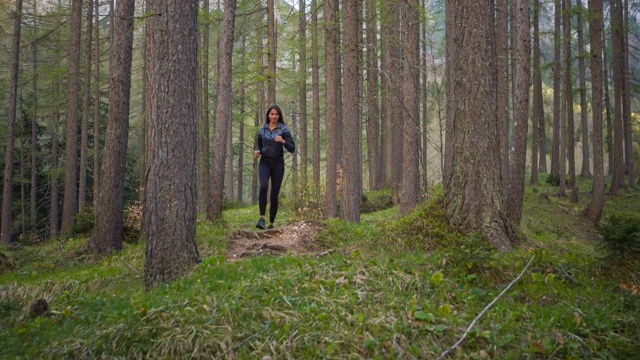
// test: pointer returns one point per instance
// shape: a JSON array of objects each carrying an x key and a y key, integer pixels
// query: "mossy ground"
[{"x": 393, "y": 288}]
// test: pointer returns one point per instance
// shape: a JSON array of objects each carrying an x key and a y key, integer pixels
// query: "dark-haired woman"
[{"x": 273, "y": 137}]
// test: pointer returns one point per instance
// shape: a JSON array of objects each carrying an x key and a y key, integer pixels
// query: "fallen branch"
[{"x": 464, "y": 336}]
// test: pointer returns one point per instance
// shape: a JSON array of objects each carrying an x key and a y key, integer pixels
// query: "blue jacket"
[{"x": 270, "y": 149}]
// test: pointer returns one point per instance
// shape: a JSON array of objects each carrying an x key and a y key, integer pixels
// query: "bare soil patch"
[{"x": 299, "y": 237}]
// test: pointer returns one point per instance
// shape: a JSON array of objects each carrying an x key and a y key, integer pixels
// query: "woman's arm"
[{"x": 289, "y": 144}]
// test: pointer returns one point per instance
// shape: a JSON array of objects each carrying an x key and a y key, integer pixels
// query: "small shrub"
[
  {"x": 375, "y": 202},
  {"x": 620, "y": 236},
  {"x": 553, "y": 180},
  {"x": 83, "y": 224},
  {"x": 132, "y": 216}
]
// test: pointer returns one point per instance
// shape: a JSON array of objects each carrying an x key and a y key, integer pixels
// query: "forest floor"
[
  {"x": 294, "y": 238},
  {"x": 388, "y": 287}
]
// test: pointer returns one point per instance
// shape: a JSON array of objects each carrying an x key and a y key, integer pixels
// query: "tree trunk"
[
  {"x": 626, "y": 99},
  {"x": 315, "y": 84},
  {"x": 34, "y": 127},
  {"x": 617, "y": 38},
  {"x": 223, "y": 108},
  {"x": 260, "y": 109},
  {"x": 373, "y": 128},
  {"x": 411, "y": 107},
  {"x": 203, "y": 126},
  {"x": 555, "y": 144},
  {"x": 425, "y": 108},
  {"x": 109, "y": 222},
  {"x": 537, "y": 106},
  {"x": 70, "y": 205},
  {"x": 585, "y": 169},
  {"x": 502, "y": 49},
  {"x": 473, "y": 195},
  {"x": 271, "y": 52},
  {"x": 241, "y": 127},
  {"x": 593, "y": 211},
  {"x": 169, "y": 200},
  {"x": 568, "y": 96},
  {"x": 352, "y": 160},
  {"x": 96, "y": 110},
  {"x": 5, "y": 232},
  {"x": 84, "y": 138},
  {"x": 302, "y": 96},
  {"x": 228, "y": 174},
  {"x": 607, "y": 106},
  {"x": 389, "y": 23},
  {"x": 332, "y": 111},
  {"x": 515, "y": 193}
]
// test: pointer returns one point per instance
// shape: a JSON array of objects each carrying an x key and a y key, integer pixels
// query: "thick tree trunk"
[
  {"x": 473, "y": 197},
  {"x": 70, "y": 205},
  {"x": 332, "y": 111},
  {"x": 515, "y": 193},
  {"x": 240, "y": 193},
  {"x": 593, "y": 211},
  {"x": 5, "y": 230},
  {"x": 109, "y": 223},
  {"x": 223, "y": 109},
  {"x": 352, "y": 161},
  {"x": 411, "y": 107},
  {"x": 169, "y": 201}
]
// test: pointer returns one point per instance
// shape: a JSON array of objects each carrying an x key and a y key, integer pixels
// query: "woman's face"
[{"x": 274, "y": 116}]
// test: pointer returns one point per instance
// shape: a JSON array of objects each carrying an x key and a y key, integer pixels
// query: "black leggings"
[{"x": 275, "y": 171}]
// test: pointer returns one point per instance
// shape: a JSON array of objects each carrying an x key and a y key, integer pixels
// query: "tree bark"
[
  {"x": 96, "y": 109},
  {"x": 271, "y": 52},
  {"x": 352, "y": 160},
  {"x": 5, "y": 232},
  {"x": 109, "y": 222},
  {"x": 537, "y": 106},
  {"x": 223, "y": 108},
  {"x": 626, "y": 99},
  {"x": 373, "y": 127},
  {"x": 473, "y": 197},
  {"x": 315, "y": 91},
  {"x": 411, "y": 107},
  {"x": 70, "y": 202},
  {"x": 617, "y": 38},
  {"x": 502, "y": 48},
  {"x": 593, "y": 211},
  {"x": 203, "y": 125},
  {"x": 302, "y": 95},
  {"x": 34, "y": 127},
  {"x": 169, "y": 200},
  {"x": 331, "y": 48},
  {"x": 557, "y": 68},
  {"x": 84, "y": 138},
  {"x": 568, "y": 96},
  {"x": 515, "y": 193},
  {"x": 585, "y": 169}
]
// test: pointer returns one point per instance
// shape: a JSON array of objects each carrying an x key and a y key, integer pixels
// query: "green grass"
[{"x": 395, "y": 288}]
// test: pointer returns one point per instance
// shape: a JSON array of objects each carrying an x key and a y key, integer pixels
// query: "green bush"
[{"x": 620, "y": 236}]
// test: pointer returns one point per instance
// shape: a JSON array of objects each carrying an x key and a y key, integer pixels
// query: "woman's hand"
[
  {"x": 256, "y": 154},
  {"x": 279, "y": 139}
]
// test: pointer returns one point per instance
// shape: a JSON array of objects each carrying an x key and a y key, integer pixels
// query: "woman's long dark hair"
[{"x": 280, "y": 119}]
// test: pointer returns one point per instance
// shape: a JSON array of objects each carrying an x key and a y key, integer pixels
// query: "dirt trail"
[{"x": 293, "y": 238}]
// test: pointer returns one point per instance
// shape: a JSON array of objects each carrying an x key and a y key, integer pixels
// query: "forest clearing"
[{"x": 388, "y": 287}]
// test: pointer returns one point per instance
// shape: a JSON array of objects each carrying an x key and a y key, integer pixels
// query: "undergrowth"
[{"x": 392, "y": 288}]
